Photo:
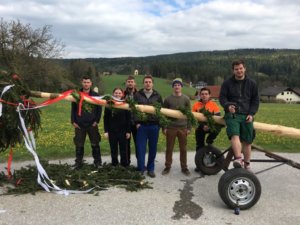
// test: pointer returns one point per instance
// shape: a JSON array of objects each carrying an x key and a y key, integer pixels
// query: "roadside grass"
[{"x": 55, "y": 139}]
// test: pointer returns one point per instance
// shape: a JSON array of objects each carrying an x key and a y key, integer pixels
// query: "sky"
[{"x": 121, "y": 28}]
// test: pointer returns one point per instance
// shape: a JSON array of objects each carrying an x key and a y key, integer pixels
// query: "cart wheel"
[
  {"x": 239, "y": 185},
  {"x": 208, "y": 160}
]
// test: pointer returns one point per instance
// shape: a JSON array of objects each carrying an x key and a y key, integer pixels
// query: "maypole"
[{"x": 274, "y": 129}]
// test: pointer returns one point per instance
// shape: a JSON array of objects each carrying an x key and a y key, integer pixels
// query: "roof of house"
[
  {"x": 297, "y": 91},
  {"x": 214, "y": 91},
  {"x": 272, "y": 91}
]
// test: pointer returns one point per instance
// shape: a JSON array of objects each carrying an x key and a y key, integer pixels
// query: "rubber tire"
[
  {"x": 201, "y": 162},
  {"x": 239, "y": 178}
]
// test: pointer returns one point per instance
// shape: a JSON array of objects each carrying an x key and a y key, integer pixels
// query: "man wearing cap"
[{"x": 179, "y": 128}]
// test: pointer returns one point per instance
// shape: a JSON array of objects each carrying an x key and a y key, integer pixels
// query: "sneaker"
[
  {"x": 186, "y": 172},
  {"x": 165, "y": 171},
  {"x": 237, "y": 163},
  {"x": 247, "y": 167},
  {"x": 151, "y": 174}
]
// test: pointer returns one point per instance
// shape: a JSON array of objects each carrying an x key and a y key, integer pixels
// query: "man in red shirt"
[{"x": 203, "y": 129}]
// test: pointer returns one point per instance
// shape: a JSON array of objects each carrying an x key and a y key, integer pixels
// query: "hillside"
[
  {"x": 267, "y": 66},
  {"x": 163, "y": 86}
]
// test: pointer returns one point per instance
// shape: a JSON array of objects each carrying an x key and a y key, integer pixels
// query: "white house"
[{"x": 286, "y": 94}]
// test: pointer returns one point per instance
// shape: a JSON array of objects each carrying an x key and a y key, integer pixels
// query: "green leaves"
[
  {"x": 213, "y": 126},
  {"x": 64, "y": 176},
  {"x": 10, "y": 133}
]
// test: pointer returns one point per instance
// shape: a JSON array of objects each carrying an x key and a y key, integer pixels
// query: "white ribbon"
[
  {"x": 30, "y": 144},
  {"x": 5, "y": 89},
  {"x": 42, "y": 178}
]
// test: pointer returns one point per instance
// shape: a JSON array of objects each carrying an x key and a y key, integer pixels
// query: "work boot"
[
  {"x": 166, "y": 171},
  {"x": 151, "y": 174},
  {"x": 186, "y": 172}
]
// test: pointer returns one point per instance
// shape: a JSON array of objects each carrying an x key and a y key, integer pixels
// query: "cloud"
[{"x": 140, "y": 28}]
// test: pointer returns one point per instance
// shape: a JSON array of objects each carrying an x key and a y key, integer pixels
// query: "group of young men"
[{"x": 238, "y": 97}]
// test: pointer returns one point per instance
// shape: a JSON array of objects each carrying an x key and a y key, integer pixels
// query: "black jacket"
[
  {"x": 117, "y": 120},
  {"x": 87, "y": 118},
  {"x": 241, "y": 93},
  {"x": 141, "y": 99}
]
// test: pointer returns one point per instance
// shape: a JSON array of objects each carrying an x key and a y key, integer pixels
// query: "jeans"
[{"x": 146, "y": 133}]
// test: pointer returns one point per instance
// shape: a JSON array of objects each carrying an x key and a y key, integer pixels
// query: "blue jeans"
[{"x": 146, "y": 133}]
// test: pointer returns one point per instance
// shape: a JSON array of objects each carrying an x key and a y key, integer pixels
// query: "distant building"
[
  {"x": 106, "y": 73},
  {"x": 200, "y": 85},
  {"x": 284, "y": 94},
  {"x": 136, "y": 72}
]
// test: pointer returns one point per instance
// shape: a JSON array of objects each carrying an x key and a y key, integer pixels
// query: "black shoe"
[
  {"x": 151, "y": 174},
  {"x": 78, "y": 165},
  {"x": 165, "y": 171},
  {"x": 98, "y": 165},
  {"x": 209, "y": 142},
  {"x": 197, "y": 170}
]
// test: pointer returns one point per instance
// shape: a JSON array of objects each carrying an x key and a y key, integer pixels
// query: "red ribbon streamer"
[{"x": 60, "y": 97}]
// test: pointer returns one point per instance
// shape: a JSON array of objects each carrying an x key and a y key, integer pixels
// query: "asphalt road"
[{"x": 174, "y": 199}]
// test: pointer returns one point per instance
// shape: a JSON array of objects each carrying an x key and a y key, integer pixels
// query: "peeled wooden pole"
[{"x": 274, "y": 129}]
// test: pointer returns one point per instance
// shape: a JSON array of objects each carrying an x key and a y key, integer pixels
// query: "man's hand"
[
  {"x": 231, "y": 109},
  {"x": 249, "y": 118},
  {"x": 137, "y": 126},
  {"x": 95, "y": 124},
  {"x": 76, "y": 125},
  {"x": 206, "y": 128},
  {"x": 164, "y": 131},
  {"x": 106, "y": 135},
  {"x": 188, "y": 131},
  {"x": 127, "y": 135}
]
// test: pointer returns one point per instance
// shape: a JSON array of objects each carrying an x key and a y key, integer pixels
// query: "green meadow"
[{"x": 55, "y": 139}]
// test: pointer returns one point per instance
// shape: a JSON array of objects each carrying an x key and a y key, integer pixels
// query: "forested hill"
[{"x": 266, "y": 66}]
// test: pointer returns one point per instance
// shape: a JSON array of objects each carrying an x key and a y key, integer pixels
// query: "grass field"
[{"x": 55, "y": 139}]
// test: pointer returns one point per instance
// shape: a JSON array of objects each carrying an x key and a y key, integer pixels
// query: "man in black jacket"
[
  {"x": 147, "y": 131},
  {"x": 86, "y": 123},
  {"x": 128, "y": 95},
  {"x": 240, "y": 99}
]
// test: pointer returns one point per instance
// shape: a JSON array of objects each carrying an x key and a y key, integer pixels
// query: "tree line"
[{"x": 35, "y": 55}]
